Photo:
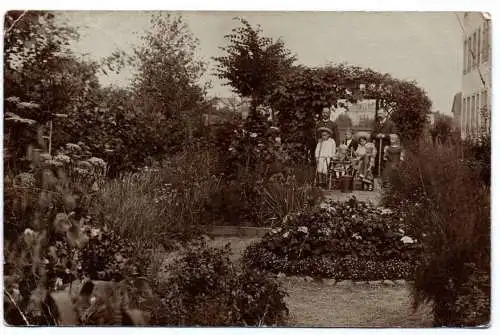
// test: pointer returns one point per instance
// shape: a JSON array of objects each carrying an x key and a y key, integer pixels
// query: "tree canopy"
[
  {"x": 253, "y": 65},
  {"x": 305, "y": 91}
]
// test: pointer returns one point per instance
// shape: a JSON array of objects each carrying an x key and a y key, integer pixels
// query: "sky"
[{"x": 421, "y": 46}]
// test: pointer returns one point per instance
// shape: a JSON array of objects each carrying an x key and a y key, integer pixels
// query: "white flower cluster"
[
  {"x": 303, "y": 229},
  {"x": 97, "y": 162},
  {"x": 357, "y": 236},
  {"x": 325, "y": 231},
  {"x": 385, "y": 211},
  {"x": 408, "y": 240},
  {"x": 62, "y": 158},
  {"x": 73, "y": 146}
]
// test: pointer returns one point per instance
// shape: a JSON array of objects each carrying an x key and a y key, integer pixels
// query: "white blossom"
[
  {"x": 97, "y": 161},
  {"x": 62, "y": 158},
  {"x": 95, "y": 232},
  {"x": 303, "y": 229},
  {"x": 356, "y": 236},
  {"x": 73, "y": 146},
  {"x": 253, "y": 135},
  {"x": 407, "y": 240},
  {"x": 276, "y": 230},
  {"x": 385, "y": 210}
]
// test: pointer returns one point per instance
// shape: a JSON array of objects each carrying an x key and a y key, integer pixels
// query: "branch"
[
  {"x": 16, "y": 21},
  {"x": 17, "y": 306}
]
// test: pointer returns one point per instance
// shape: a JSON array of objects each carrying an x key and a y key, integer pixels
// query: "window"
[
  {"x": 478, "y": 49},
  {"x": 468, "y": 54},
  {"x": 464, "y": 60},
  {"x": 473, "y": 49},
  {"x": 486, "y": 41}
]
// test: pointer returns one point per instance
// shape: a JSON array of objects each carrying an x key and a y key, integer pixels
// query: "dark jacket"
[{"x": 353, "y": 146}]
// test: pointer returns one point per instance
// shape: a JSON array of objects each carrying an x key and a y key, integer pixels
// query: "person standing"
[
  {"x": 393, "y": 155},
  {"x": 324, "y": 154},
  {"x": 371, "y": 152},
  {"x": 350, "y": 143},
  {"x": 326, "y": 122}
]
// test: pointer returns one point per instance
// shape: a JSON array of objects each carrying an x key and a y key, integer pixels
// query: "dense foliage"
[
  {"x": 205, "y": 289},
  {"x": 45, "y": 81},
  {"x": 259, "y": 184},
  {"x": 253, "y": 65},
  {"x": 441, "y": 130},
  {"x": 349, "y": 240},
  {"x": 447, "y": 196},
  {"x": 305, "y": 91}
]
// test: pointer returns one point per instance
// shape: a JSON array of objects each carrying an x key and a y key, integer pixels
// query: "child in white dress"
[{"x": 325, "y": 152}]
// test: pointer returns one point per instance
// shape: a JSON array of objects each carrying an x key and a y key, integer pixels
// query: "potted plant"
[{"x": 346, "y": 180}]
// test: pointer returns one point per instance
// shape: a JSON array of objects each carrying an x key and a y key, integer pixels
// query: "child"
[
  {"x": 371, "y": 152},
  {"x": 325, "y": 152},
  {"x": 393, "y": 155},
  {"x": 340, "y": 169}
]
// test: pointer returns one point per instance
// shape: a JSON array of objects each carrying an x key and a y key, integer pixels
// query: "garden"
[{"x": 94, "y": 174}]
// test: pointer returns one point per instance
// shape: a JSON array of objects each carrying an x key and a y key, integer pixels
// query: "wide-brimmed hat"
[
  {"x": 325, "y": 129},
  {"x": 362, "y": 134}
]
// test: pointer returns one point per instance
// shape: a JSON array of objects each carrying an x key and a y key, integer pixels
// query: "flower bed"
[{"x": 340, "y": 240}]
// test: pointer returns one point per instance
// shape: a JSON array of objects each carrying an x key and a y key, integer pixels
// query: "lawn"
[{"x": 315, "y": 304}]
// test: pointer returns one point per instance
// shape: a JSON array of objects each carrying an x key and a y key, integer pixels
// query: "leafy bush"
[
  {"x": 258, "y": 203},
  {"x": 341, "y": 240},
  {"x": 447, "y": 201},
  {"x": 205, "y": 289}
]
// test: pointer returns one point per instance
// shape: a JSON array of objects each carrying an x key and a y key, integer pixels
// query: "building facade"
[{"x": 475, "y": 114}]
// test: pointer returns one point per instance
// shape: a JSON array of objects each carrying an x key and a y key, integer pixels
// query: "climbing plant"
[{"x": 305, "y": 91}]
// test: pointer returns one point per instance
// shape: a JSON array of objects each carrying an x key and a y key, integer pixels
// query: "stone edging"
[{"x": 344, "y": 283}]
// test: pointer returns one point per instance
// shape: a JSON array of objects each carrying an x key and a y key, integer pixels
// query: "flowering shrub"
[
  {"x": 204, "y": 289},
  {"x": 342, "y": 240},
  {"x": 251, "y": 148}
]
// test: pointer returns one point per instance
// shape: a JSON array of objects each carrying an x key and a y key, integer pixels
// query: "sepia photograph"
[{"x": 247, "y": 168}]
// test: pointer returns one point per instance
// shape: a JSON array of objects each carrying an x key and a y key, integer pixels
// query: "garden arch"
[{"x": 305, "y": 91}]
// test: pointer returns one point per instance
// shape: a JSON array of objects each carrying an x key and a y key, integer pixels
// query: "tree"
[
  {"x": 167, "y": 82},
  {"x": 253, "y": 65},
  {"x": 168, "y": 73},
  {"x": 42, "y": 77},
  {"x": 442, "y": 128}
]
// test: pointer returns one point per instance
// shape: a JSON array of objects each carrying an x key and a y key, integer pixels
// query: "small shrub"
[
  {"x": 342, "y": 240},
  {"x": 204, "y": 289}
]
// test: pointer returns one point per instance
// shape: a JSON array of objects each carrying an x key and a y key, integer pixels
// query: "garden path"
[
  {"x": 367, "y": 196},
  {"x": 316, "y": 304}
]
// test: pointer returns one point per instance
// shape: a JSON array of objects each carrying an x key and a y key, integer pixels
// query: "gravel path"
[
  {"x": 367, "y": 196},
  {"x": 315, "y": 304}
]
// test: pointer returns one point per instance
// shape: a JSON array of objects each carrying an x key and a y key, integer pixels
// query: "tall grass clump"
[
  {"x": 445, "y": 198},
  {"x": 159, "y": 205},
  {"x": 280, "y": 197}
]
